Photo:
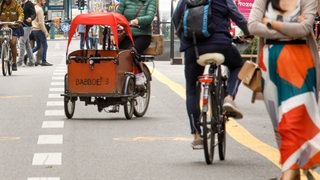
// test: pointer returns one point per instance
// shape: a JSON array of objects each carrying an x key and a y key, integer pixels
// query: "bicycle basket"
[{"x": 5, "y": 33}]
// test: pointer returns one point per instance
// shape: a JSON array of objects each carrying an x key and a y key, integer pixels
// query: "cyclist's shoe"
[
  {"x": 46, "y": 64},
  {"x": 140, "y": 79},
  {"x": 231, "y": 108},
  {"x": 14, "y": 67},
  {"x": 197, "y": 144}
]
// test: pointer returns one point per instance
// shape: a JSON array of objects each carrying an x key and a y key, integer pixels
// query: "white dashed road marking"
[
  {"x": 40, "y": 159},
  {"x": 55, "y": 103},
  {"x": 52, "y": 124},
  {"x": 50, "y": 139}
]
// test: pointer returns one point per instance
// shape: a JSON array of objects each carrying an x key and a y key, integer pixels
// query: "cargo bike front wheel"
[{"x": 69, "y": 102}]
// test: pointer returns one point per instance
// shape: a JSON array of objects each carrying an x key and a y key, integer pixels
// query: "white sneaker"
[
  {"x": 231, "y": 108},
  {"x": 140, "y": 79}
]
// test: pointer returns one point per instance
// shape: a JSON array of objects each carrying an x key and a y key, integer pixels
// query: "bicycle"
[
  {"x": 6, "y": 54},
  {"x": 211, "y": 89}
]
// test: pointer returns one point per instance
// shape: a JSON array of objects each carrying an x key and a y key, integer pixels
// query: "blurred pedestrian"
[
  {"x": 93, "y": 37},
  {"x": 40, "y": 33},
  {"x": 24, "y": 41},
  {"x": 81, "y": 31}
]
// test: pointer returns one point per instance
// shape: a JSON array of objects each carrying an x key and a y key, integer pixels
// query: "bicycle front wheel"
[
  {"x": 9, "y": 64},
  {"x": 4, "y": 59}
]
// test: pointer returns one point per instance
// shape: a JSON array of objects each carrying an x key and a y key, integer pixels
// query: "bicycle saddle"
[{"x": 209, "y": 58}]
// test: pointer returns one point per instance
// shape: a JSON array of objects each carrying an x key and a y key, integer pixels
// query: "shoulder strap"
[{"x": 138, "y": 10}]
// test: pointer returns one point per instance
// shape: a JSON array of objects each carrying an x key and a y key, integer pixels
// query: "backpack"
[{"x": 197, "y": 20}]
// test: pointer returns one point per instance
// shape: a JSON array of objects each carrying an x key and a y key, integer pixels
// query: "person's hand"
[
  {"x": 112, "y": 40},
  {"x": 265, "y": 20},
  {"x": 301, "y": 18},
  {"x": 47, "y": 34},
  {"x": 134, "y": 22},
  {"x": 29, "y": 19}
]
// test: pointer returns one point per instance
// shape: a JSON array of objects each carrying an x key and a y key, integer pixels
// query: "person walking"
[
  {"x": 81, "y": 31},
  {"x": 40, "y": 33},
  {"x": 12, "y": 11},
  {"x": 93, "y": 37},
  {"x": 24, "y": 42},
  {"x": 220, "y": 42},
  {"x": 289, "y": 62}
]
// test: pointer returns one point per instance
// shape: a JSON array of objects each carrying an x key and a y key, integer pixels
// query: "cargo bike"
[{"x": 105, "y": 77}]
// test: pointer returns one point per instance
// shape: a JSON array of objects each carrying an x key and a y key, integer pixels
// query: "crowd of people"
[{"x": 30, "y": 18}]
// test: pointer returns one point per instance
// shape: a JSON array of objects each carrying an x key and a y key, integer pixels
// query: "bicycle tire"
[
  {"x": 129, "y": 104},
  {"x": 9, "y": 64},
  {"x": 69, "y": 102},
  {"x": 143, "y": 98},
  {"x": 206, "y": 123},
  {"x": 3, "y": 59},
  {"x": 221, "y": 118}
]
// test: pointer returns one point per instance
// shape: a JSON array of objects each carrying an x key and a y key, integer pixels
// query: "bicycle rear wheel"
[{"x": 205, "y": 119}]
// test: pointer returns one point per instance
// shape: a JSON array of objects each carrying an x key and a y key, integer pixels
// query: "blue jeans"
[
  {"x": 82, "y": 41},
  {"x": 192, "y": 70},
  {"x": 41, "y": 41}
]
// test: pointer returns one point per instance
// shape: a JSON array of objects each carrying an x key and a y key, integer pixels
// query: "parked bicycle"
[{"x": 6, "y": 53}]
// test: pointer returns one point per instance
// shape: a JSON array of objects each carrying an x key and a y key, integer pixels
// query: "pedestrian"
[
  {"x": 93, "y": 37},
  {"x": 11, "y": 10},
  {"x": 289, "y": 61},
  {"x": 24, "y": 41},
  {"x": 40, "y": 33},
  {"x": 81, "y": 31},
  {"x": 221, "y": 42}
]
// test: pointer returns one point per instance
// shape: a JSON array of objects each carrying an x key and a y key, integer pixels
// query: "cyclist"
[
  {"x": 11, "y": 10},
  {"x": 221, "y": 42}
]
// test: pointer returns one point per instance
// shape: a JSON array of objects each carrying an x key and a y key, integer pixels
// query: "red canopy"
[{"x": 111, "y": 19}]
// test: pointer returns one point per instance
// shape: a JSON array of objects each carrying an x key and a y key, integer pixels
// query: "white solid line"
[
  {"x": 61, "y": 70},
  {"x": 47, "y": 159},
  {"x": 50, "y": 139},
  {"x": 43, "y": 178},
  {"x": 58, "y": 78},
  {"x": 55, "y": 96},
  {"x": 56, "y": 89},
  {"x": 52, "y": 124},
  {"x": 55, "y": 103},
  {"x": 57, "y": 83},
  {"x": 54, "y": 113}
]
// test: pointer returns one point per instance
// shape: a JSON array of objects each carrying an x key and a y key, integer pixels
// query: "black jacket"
[
  {"x": 222, "y": 12},
  {"x": 29, "y": 11}
]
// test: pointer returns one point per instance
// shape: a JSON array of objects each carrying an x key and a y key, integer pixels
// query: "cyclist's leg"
[
  {"x": 192, "y": 71},
  {"x": 13, "y": 46},
  {"x": 234, "y": 63}
]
